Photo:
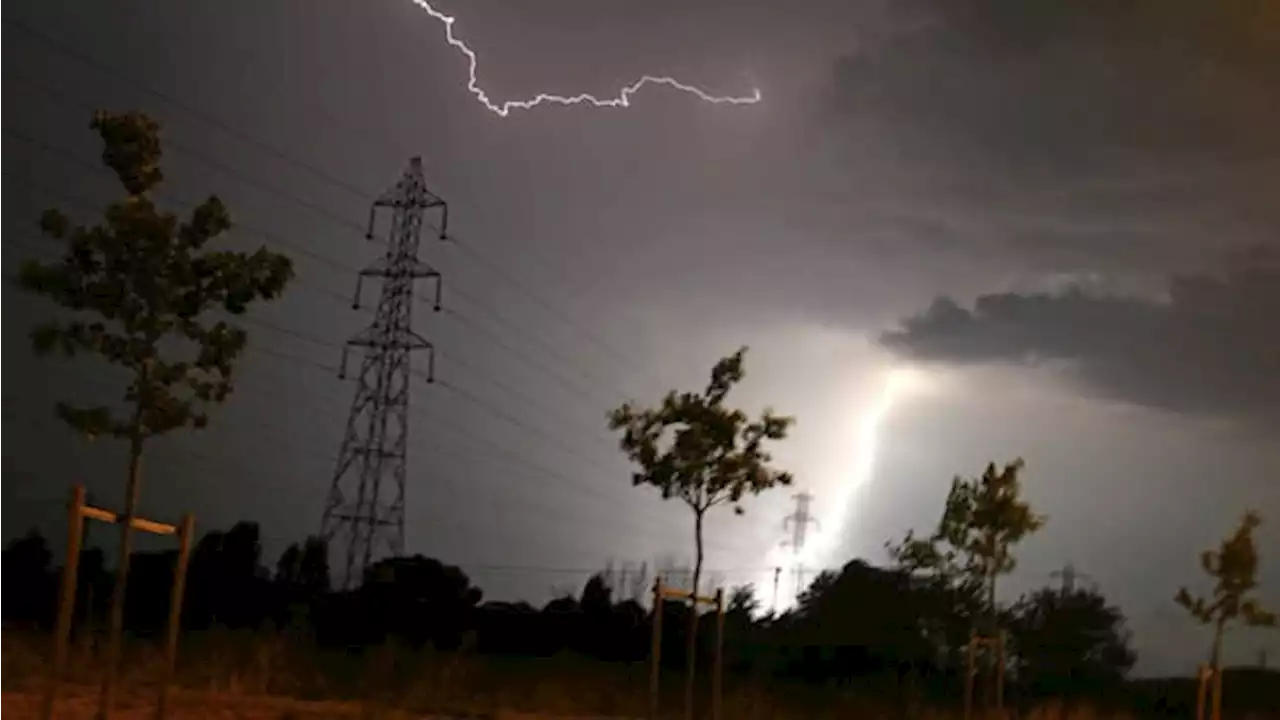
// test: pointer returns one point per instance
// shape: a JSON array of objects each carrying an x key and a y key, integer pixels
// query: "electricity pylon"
[{"x": 364, "y": 511}]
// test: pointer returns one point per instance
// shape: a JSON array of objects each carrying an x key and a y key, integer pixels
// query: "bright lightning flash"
[
  {"x": 898, "y": 383},
  {"x": 623, "y": 99}
]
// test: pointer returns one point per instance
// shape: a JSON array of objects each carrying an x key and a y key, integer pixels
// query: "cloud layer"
[
  {"x": 1210, "y": 348},
  {"x": 1076, "y": 134}
]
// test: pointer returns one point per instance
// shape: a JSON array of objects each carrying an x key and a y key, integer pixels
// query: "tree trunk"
[
  {"x": 993, "y": 619},
  {"x": 132, "y": 494},
  {"x": 691, "y": 650},
  {"x": 1215, "y": 658},
  {"x": 1216, "y": 678},
  {"x": 993, "y": 634},
  {"x": 697, "y": 540}
]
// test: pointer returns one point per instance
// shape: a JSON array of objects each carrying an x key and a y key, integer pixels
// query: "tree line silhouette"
[{"x": 877, "y": 629}]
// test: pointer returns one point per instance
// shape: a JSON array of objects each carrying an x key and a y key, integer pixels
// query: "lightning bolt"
[{"x": 623, "y": 98}]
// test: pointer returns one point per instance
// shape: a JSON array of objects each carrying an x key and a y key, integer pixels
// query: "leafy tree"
[
  {"x": 226, "y": 578},
  {"x": 301, "y": 581},
  {"x": 1070, "y": 642},
  {"x": 140, "y": 288},
  {"x": 28, "y": 572},
  {"x": 694, "y": 448},
  {"x": 983, "y": 519},
  {"x": 1234, "y": 569},
  {"x": 419, "y": 600},
  {"x": 742, "y": 602},
  {"x": 305, "y": 568},
  {"x": 866, "y": 619},
  {"x": 597, "y": 598}
]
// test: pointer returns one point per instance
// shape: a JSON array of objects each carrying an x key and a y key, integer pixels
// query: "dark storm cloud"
[
  {"x": 1035, "y": 115},
  {"x": 1211, "y": 348}
]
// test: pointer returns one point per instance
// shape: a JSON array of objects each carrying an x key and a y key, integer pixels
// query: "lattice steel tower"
[
  {"x": 364, "y": 512},
  {"x": 798, "y": 523}
]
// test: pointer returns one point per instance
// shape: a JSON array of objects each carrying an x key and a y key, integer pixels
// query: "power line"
[
  {"x": 73, "y": 52},
  {"x": 64, "y": 48},
  {"x": 295, "y": 246},
  {"x": 486, "y": 450},
  {"x": 186, "y": 454},
  {"x": 454, "y": 314},
  {"x": 255, "y": 182}
]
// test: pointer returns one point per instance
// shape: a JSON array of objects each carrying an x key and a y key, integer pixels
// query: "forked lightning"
[{"x": 623, "y": 98}]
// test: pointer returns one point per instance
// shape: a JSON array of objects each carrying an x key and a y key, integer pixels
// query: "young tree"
[
  {"x": 1234, "y": 569},
  {"x": 140, "y": 288},
  {"x": 694, "y": 448},
  {"x": 983, "y": 519}
]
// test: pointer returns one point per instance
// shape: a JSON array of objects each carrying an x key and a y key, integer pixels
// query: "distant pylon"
[
  {"x": 1069, "y": 576},
  {"x": 361, "y": 513},
  {"x": 798, "y": 521},
  {"x": 798, "y": 524}
]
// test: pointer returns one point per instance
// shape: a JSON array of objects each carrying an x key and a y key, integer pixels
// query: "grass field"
[{"x": 257, "y": 678}]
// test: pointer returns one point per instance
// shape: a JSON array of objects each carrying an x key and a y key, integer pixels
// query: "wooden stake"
[
  {"x": 176, "y": 591},
  {"x": 1202, "y": 689},
  {"x": 66, "y": 598},
  {"x": 1000, "y": 673},
  {"x": 717, "y": 670},
  {"x": 655, "y": 651},
  {"x": 969, "y": 672}
]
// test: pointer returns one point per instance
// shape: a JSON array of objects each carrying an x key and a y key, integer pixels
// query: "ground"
[{"x": 79, "y": 703}]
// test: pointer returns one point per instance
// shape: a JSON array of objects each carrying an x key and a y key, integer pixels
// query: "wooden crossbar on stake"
[
  {"x": 662, "y": 593},
  {"x": 77, "y": 513}
]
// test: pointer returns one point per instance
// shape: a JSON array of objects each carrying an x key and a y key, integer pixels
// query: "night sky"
[{"x": 950, "y": 233}]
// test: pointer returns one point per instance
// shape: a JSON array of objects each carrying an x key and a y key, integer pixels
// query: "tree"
[
  {"x": 742, "y": 602},
  {"x": 1070, "y": 642},
  {"x": 866, "y": 619},
  {"x": 694, "y": 448},
  {"x": 304, "y": 569},
  {"x": 140, "y": 288},
  {"x": 27, "y": 569},
  {"x": 1234, "y": 568},
  {"x": 418, "y": 599},
  {"x": 983, "y": 519}
]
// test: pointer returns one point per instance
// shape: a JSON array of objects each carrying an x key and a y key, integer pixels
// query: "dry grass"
[{"x": 259, "y": 678}]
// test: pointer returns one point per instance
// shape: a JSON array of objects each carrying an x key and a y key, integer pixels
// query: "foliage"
[
  {"x": 1068, "y": 643},
  {"x": 982, "y": 520},
  {"x": 1234, "y": 569},
  {"x": 694, "y": 448},
  {"x": 872, "y": 617},
  {"x": 26, "y": 569},
  {"x": 141, "y": 278}
]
